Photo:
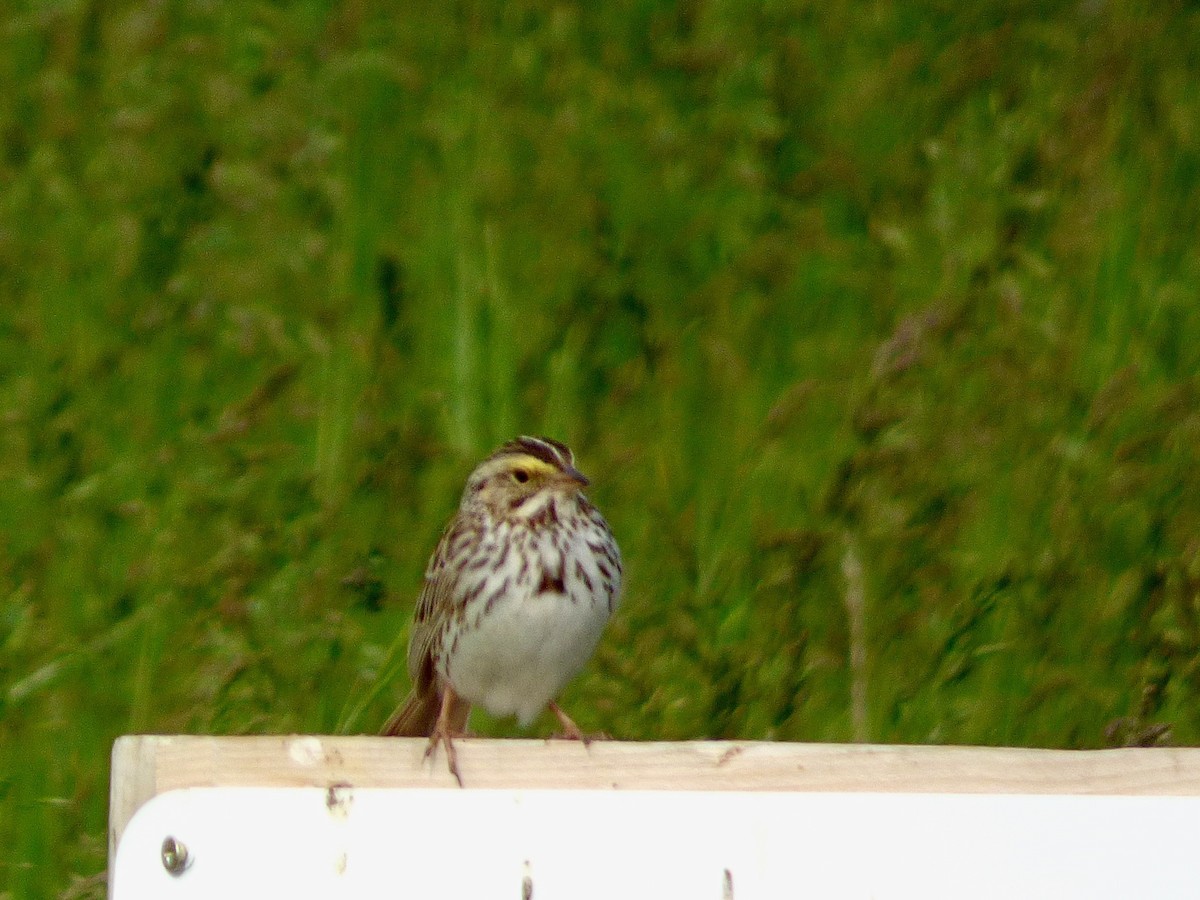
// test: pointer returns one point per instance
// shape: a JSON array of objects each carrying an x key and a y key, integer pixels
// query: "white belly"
[{"x": 516, "y": 659}]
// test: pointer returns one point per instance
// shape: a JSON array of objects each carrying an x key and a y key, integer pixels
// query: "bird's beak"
[{"x": 572, "y": 474}]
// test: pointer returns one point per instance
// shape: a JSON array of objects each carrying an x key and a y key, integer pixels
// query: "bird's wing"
[{"x": 433, "y": 605}]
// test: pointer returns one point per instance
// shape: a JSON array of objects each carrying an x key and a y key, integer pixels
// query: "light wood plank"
[{"x": 146, "y": 765}]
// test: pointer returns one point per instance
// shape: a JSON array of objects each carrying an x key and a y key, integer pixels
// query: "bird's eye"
[{"x": 520, "y": 475}]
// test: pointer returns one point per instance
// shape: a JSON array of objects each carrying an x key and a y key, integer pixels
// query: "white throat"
[{"x": 536, "y": 505}]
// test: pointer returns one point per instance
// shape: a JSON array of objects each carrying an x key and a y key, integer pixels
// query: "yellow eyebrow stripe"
[{"x": 530, "y": 463}]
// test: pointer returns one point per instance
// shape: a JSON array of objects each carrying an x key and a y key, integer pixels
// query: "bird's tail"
[{"x": 415, "y": 717}]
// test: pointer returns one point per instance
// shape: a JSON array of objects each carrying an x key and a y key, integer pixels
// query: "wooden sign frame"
[{"x": 147, "y": 765}]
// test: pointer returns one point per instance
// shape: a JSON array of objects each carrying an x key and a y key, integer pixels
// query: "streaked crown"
[{"x": 551, "y": 452}]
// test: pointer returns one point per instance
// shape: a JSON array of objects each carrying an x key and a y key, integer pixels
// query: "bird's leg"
[
  {"x": 571, "y": 731},
  {"x": 451, "y": 720}
]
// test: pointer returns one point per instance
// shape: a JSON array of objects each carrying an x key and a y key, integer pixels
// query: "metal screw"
[
  {"x": 527, "y": 883},
  {"x": 174, "y": 856}
]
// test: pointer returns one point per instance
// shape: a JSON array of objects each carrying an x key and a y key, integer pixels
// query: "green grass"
[{"x": 913, "y": 282}]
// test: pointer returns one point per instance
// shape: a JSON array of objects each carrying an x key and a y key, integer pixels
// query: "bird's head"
[{"x": 523, "y": 477}]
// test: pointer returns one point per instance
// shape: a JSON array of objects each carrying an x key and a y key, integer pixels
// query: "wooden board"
[{"x": 147, "y": 765}]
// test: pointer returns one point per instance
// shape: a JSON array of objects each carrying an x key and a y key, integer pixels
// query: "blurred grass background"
[{"x": 876, "y": 326}]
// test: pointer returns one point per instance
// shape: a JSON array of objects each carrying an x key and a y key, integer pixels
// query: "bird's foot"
[
  {"x": 451, "y": 723},
  {"x": 571, "y": 731},
  {"x": 443, "y": 736}
]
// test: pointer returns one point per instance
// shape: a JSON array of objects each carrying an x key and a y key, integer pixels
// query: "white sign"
[{"x": 575, "y": 845}]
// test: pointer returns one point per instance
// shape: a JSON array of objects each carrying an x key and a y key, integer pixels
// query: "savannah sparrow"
[{"x": 515, "y": 597}]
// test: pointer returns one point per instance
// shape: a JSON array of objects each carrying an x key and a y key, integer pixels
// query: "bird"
[{"x": 515, "y": 597}]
